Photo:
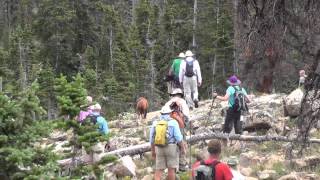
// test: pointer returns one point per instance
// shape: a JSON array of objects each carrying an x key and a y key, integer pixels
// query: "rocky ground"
[{"x": 257, "y": 160}]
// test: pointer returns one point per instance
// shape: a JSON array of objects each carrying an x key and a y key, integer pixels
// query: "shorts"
[{"x": 167, "y": 157}]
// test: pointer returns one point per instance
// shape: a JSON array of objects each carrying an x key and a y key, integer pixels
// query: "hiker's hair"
[{"x": 214, "y": 147}]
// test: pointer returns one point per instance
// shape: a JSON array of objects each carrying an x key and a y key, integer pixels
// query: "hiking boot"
[{"x": 196, "y": 105}]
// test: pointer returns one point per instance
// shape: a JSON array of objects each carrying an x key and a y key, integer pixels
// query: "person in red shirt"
[{"x": 222, "y": 170}]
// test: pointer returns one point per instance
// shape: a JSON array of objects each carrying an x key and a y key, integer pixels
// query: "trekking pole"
[{"x": 210, "y": 111}]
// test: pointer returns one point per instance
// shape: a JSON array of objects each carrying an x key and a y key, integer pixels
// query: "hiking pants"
[
  {"x": 190, "y": 86},
  {"x": 232, "y": 119}
]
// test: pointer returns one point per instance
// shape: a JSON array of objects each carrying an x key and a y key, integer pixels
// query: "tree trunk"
[
  {"x": 110, "y": 47},
  {"x": 194, "y": 24},
  {"x": 23, "y": 73}
]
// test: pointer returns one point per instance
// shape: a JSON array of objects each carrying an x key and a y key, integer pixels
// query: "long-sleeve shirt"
[
  {"x": 175, "y": 135},
  {"x": 182, "y": 105},
  {"x": 196, "y": 69},
  {"x": 102, "y": 124}
]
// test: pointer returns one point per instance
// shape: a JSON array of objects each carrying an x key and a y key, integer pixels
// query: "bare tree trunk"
[
  {"x": 23, "y": 73},
  {"x": 0, "y": 83},
  {"x": 110, "y": 48},
  {"x": 194, "y": 24},
  {"x": 236, "y": 37}
]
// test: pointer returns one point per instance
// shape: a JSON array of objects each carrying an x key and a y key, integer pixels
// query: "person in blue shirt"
[
  {"x": 167, "y": 156},
  {"x": 98, "y": 119},
  {"x": 233, "y": 116}
]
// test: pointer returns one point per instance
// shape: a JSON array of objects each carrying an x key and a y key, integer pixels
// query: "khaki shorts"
[{"x": 167, "y": 157}]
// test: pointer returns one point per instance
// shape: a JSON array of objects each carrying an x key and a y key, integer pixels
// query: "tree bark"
[
  {"x": 194, "y": 23},
  {"x": 142, "y": 148}
]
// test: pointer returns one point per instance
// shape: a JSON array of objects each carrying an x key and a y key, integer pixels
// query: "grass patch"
[{"x": 280, "y": 169}]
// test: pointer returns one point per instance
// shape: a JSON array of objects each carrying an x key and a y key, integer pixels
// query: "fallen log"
[{"x": 142, "y": 148}]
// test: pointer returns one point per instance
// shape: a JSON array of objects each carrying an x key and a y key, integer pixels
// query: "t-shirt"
[
  {"x": 174, "y": 133},
  {"x": 230, "y": 91},
  {"x": 222, "y": 171},
  {"x": 176, "y": 66}
]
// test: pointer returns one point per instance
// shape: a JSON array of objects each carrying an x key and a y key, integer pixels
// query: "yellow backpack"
[{"x": 160, "y": 138}]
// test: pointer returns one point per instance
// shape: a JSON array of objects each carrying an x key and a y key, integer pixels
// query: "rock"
[
  {"x": 258, "y": 120},
  {"x": 59, "y": 147},
  {"x": 126, "y": 168},
  {"x": 97, "y": 149},
  {"x": 147, "y": 177},
  {"x": 251, "y": 178},
  {"x": 267, "y": 175},
  {"x": 109, "y": 176},
  {"x": 58, "y": 136},
  {"x": 307, "y": 162},
  {"x": 246, "y": 171},
  {"x": 291, "y": 176},
  {"x": 292, "y": 102},
  {"x": 248, "y": 159}
]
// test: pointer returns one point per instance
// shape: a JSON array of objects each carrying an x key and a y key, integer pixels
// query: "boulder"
[
  {"x": 258, "y": 120},
  {"x": 126, "y": 168},
  {"x": 249, "y": 159},
  {"x": 267, "y": 175},
  {"x": 307, "y": 162},
  {"x": 246, "y": 171},
  {"x": 292, "y": 103},
  {"x": 147, "y": 177},
  {"x": 291, "y": 176}
]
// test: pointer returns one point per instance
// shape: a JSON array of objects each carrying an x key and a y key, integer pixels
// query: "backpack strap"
[{"x": 213, "y": 166}]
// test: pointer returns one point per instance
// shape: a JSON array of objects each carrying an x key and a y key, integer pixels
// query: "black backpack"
[
  {"x": 240, "y": 103},
  {"x": 189, "y": 68},
  {"x": 210, "y": 171}
]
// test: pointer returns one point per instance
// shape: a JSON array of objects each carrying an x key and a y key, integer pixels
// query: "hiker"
[
  {"x": 302, "y": 77},
  {"x": 96, "y": 118},
  {"x": 88, "y": 110},
  {"x": 142, "y": 107},
  {"x": 235, "y": 107},
  {"x": 212, "y": 167},
  {"x": 179, "y": 105},
  {"x": 166, "y": 140},
  {"x": 175, "y": 70},
  {"x": 190, "y": 78},
  {"x": 181, "y": 115},
  {"x": 232, "y": 162}
]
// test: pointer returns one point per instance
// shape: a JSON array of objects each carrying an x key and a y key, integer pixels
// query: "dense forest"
[{"x": 119, "y": 50}]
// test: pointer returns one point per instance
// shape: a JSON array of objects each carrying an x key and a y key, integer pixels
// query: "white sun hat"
[
  {"x": 166, "y": 110},
  {"x": 97, "y": 107},
  {"x": 189, "y": 53},
  {"x": 181, "y": 55}
]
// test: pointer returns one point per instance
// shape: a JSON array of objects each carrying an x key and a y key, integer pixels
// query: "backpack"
[
  {"x": 206, "y": 172},
  {"x": 189, "y": 69},
  {"x": 240, "y": 103},
  {"x": 93, "y": 118},
  {"x": 161, "y": 135}
]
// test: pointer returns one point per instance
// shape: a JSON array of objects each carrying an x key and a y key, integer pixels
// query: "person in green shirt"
[{"x": 174, "y": 72}]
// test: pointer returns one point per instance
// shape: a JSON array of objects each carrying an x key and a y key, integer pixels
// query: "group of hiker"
[
  {"x": 185, "y": 73},
  {"x": 92, "y": 112},
  {"x": 167, "y": 134}
]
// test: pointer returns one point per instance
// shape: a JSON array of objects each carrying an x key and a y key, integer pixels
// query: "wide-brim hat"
[
  {"x": 176, "y": 91},
  {"x": 166, "y": 110},
  {"x": 233, "y": 80},
  {"x": 189, "y": 53},
  {"x": 181, "y": 55}
]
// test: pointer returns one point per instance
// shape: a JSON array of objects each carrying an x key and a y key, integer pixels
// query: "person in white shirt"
[
  {"x": 232, "y": 162},
  {"x": 190, "y": 78}
]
